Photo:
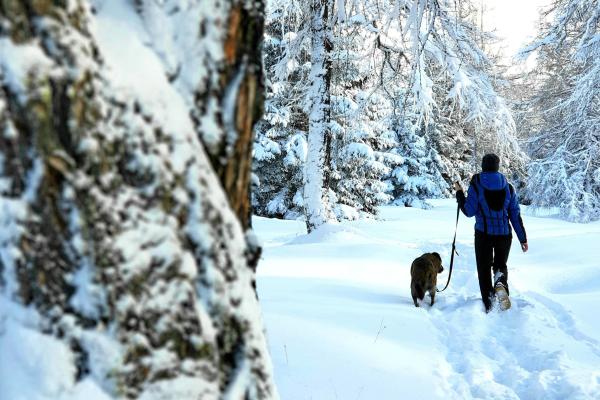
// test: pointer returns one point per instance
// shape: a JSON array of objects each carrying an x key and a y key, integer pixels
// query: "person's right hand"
[
  {"x": 524, "y": 247},
  {"x": 457, "y": 186}
]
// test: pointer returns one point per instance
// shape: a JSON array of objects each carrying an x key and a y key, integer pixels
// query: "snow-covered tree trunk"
[
  {"x": 318, "y": 210},
  {"x": 120, "y": 254}
]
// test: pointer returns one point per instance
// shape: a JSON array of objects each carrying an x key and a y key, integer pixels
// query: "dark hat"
[{"x": 490, "y": 163}]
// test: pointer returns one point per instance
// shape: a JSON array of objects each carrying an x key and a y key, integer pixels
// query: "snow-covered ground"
[{"x": 341, "y": 322}]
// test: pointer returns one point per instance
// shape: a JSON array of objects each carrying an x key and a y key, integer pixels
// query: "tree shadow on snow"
[{"x": 364, "y": 295}]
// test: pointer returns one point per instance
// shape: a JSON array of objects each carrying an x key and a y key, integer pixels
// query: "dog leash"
[{"x": 453, "y": 250}]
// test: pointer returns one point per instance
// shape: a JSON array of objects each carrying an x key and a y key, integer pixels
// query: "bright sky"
[{"x": 515, "y": 21}]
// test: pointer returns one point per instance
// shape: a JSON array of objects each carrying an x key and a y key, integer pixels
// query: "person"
[{"x": 494, "y": 202}]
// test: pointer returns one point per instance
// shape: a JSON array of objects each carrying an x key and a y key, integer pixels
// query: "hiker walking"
[{"x": 493, "y": 201}]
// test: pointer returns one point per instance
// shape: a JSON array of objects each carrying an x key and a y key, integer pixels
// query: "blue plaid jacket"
[{"x": 493, "y": 202}]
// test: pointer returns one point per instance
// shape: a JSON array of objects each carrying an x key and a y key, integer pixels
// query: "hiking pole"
[{"x": 453, "y": 250}]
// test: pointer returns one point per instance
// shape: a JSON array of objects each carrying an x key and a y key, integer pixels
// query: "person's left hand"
[
  {"x": 457, "y": 186},
  {"x": 524, "y": 247}
]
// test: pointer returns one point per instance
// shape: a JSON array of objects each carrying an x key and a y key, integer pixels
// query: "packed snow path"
[{"x": 341, "y": 322}]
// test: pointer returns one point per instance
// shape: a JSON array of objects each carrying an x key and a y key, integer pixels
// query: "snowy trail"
[{"x": 341, "y": 323}]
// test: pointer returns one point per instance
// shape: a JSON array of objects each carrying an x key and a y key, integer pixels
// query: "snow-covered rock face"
[{"x": 114, "y": 229}]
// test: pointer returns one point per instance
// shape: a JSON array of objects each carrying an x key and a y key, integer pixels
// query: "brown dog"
[{"x": 423, "y": 272}]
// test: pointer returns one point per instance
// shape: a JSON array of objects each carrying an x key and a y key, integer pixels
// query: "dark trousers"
[{"x": 491, "y": 253}]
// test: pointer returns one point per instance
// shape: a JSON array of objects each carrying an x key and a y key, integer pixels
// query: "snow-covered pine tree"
[
  {"x": 423, "y": 50},
  {"x": 361, "y": 134},
  {"x": 450, "y": 100},
  {"x": 565, "y": 151},
  {"x": 453, "y": 140},
  {"x": 280, "y": 143},
  {"x": 465, "y": 87},
  {"x": 419, "y": 177},
  {"x": 279, "y": 157},
  {"x": 290, "y": 139},
  {"x": 361, "y": 140},
  {"x": 121, "y": 255},
  {"x": 351, "y": 151}
]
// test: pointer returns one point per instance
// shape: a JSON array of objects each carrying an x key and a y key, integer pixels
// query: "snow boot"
[{"x": 502, "y": 297}]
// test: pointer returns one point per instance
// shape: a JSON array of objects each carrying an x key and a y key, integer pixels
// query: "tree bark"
[
  {"x": 116, "y": 231},
  {"x": 243, "y": 71}
]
